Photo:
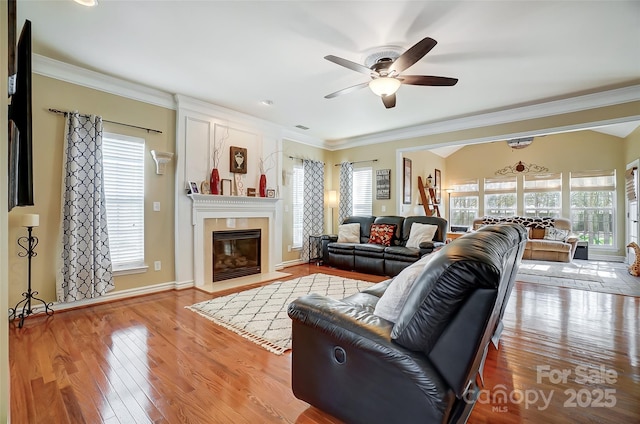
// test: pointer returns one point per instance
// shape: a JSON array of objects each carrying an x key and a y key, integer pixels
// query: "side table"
[
  {"x": 582, "y": 251},
  {"x": 315, "y": 249}
]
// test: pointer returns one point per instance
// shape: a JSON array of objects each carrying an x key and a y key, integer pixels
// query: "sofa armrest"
[{"x": 339, "y": 347}]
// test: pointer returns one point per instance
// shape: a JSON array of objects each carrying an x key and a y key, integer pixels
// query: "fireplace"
[{"x": 236, "y": 253}]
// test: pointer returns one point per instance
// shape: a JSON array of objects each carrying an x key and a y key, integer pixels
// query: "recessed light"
[
  {"x": 302, "y": 127},
  {"x": 267, "y": 102},
  {"x": 89, "y": 3}
]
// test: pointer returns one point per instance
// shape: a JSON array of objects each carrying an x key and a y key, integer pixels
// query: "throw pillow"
[
  {"x": 381, "y": 234},
  {"x": 392, "y": 301},
  {"x": 349, "y": 233},
  {"x": 537, "y": 233},
  {"x": 552, "y": 233},
  {"x": 421, "y": 232}
]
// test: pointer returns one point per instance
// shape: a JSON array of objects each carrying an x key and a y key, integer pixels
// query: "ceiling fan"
[{"x": 386, "y": 69}]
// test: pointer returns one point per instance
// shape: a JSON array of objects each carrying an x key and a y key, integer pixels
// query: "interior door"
[{"x": 632, "y": 214}]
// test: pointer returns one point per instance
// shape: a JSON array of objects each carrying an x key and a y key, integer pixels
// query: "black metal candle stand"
[{"x": 24, "y": 306}]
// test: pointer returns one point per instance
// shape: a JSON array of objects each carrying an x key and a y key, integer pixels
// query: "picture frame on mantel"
[
  {"x": 406, "y": 181},
  {"x": 225, "y": 187},
  {"x": 238, "y": 160}
]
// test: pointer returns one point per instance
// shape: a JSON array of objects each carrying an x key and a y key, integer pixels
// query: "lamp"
[
  {"x": 384, "y": 86},
  {"x": 332, "y": 202},
  {"x": 89, "y": 3},
  {"x": 449, "y": 191},
  {"x": 28, "y": 244}
]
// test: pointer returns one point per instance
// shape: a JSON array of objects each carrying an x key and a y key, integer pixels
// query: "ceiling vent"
[{"x": 519, "y": 143}]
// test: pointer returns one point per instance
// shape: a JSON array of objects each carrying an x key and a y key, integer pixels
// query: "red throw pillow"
[{"x": 381, "y": 234}]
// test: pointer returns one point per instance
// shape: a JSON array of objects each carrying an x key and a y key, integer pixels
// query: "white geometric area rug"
[{"x": 260, "y": 314}]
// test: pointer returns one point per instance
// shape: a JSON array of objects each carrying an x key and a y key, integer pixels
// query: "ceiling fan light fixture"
[
  {"x": 384, "y": 86},
  {"x": 88, "y": 3}
]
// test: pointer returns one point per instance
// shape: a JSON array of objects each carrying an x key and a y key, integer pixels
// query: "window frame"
[
  {"x": 607, "y": 187},
  {"x": 468, "y": 189},
  {"x": 361, "y": 193},
  {"x": 542, "y": 184},
  {"x": 117, "y": 168},
  {"x": 501, "y": 191}
]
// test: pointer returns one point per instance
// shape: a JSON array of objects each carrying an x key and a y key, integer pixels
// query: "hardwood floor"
[{"x": 149, "y": 359}]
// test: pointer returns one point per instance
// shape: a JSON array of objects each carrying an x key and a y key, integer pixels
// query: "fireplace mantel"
[{"x": 207, "y": 206}]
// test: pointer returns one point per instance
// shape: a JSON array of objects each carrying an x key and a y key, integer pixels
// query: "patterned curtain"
[
  {"x": 84, "y": 269},
  {"x": 313, "y": 211},
  {"x": 345, "y": 208}
]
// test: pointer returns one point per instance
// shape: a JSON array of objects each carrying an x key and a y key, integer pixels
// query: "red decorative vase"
[
  {"x": 263, "y": 185},
  {"x": 214, "y": 182}
]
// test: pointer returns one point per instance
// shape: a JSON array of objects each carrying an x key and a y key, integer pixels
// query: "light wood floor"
[{"x": 149, "y": 359}]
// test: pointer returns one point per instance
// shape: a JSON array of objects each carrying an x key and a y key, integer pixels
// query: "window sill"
[{"x": 130, "y": 270}]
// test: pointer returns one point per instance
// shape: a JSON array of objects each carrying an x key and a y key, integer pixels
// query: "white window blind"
[
  {"x": 123, "y": 165},
  {"x": 297, "y": 204},
  {"x": 362, "y": 191}
]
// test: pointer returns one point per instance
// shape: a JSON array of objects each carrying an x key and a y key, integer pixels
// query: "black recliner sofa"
[
  {"x": 377, "y": 259},
  {"x": 423, "y": 368}
]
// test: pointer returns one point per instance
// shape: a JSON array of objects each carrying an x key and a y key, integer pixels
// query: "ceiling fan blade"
[
  {"x": 350, "y": 65},
  {"x": 389, "y": 101},
  {"x": 346, "y": 90},
  {"x": 428, "y": 80},
  {"x": 414, "y": 54}
]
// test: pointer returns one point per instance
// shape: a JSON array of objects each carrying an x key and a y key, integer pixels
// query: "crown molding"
[
  {"x": 540, "y": 110},
  {"x": 52, "y": 68},
  {"x": 76, "y": 75}
]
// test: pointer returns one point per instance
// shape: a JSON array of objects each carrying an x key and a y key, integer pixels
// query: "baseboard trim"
[
  {"x": 294, "y": 262},
  {"x": 606, "y": 258},
  {"x": 118, "y": 295}
]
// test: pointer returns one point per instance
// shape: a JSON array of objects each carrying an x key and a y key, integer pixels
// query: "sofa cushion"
[
  {"x": 349, "y": 233},
  {"x": 536, "y": 233},
  {"x": 420, "y": 233},
  {"x": 381, "y": 234},
  {"x": 392, "y": 301},
  {"x": 549, "y": 245}
]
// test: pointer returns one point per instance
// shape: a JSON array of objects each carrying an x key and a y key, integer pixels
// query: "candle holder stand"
[{"x": 29, "y": 244}]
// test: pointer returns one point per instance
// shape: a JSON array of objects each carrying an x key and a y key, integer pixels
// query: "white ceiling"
[{"x": 237, "y": 53}]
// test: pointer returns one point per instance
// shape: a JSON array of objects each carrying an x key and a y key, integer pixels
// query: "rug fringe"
[{"x": 270, "y": 346}]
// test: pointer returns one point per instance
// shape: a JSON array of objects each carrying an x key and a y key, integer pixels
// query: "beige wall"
[
  {"x": 565, "y": 153},
  {"x": 48, "y": 130},
  {"x": 4, "y": 286},
  {"x": 632, "y": 151}
]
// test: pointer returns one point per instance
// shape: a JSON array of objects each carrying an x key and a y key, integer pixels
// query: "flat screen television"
[{"x": 20, "y": 126}]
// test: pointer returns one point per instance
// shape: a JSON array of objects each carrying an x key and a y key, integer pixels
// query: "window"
[
  {"x": 593, "y": 206},
  {"x": 543, "y": 195},
  {"x": 123, "y": 167},
  {"x": 464, "y": 203},
  {"x": 500, "y": 196},
  {"x": 362, "y": 191},
  {"x": 298, "y": 204}
]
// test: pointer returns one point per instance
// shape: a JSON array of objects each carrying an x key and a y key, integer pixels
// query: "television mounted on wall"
[{"x": 20, "y": 155}]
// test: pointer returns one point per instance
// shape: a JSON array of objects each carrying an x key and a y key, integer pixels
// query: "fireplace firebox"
[{"x": 236, "y": 253}]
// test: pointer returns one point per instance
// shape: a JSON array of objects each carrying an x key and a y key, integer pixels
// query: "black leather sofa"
[
  {"x": 377, "y": 259},
  {"x": 423, "y": 368}
]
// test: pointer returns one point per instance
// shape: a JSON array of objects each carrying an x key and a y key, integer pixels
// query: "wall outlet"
[
  {"x": 156, "y": 206},
  {"x": 384, "y": 208},
  {"x": 157, "y": 265}
]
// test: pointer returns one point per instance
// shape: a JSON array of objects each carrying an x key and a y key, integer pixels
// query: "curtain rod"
[
  {"x": 358, "y": 161},
  {"x": 302, "y": 159},
  {"x": 62, "y": 112}
]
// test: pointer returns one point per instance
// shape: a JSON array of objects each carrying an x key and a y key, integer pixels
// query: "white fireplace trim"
[{"x": 215, "y": 206}]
